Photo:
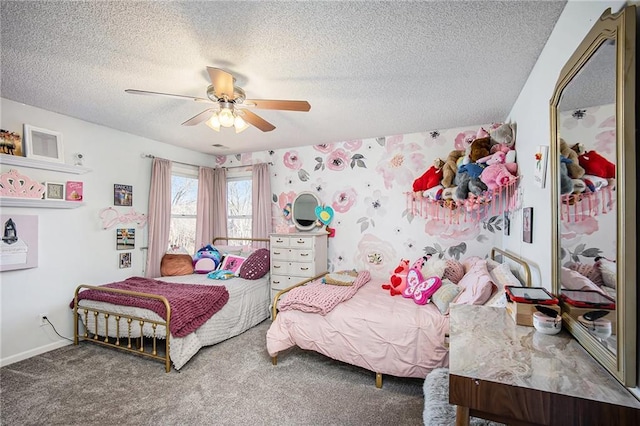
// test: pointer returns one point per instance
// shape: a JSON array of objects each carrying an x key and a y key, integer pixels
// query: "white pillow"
[
  {"x": 434, "y": 267},
  {"x": 492, "y": 264},
  {"x": 502, "y": 276},
  {"x": 608, "y": 271},
  {"x": 574, "y": 280}
]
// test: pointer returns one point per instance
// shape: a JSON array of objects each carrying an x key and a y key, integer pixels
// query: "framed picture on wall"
[
  {"x": 43, "y": 144},
  {"x": 527, "y": 224},
  {"x": 124, "y": 260},
  {"x": 540, "y": 169},
  {"x": 11, "y": 143},
  {"x": 122, "y": 195},
  {"x": 125, "y": 238}
]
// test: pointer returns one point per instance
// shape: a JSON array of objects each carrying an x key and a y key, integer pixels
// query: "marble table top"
[{"x": 486, "y": 344}]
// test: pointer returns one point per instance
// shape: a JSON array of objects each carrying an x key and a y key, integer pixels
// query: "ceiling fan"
[{"x": 232, "y": 104}]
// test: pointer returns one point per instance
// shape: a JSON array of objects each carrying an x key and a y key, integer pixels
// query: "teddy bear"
[
  {"x": 398, "y": 280},
  {"x": 496, "y": 175},
  {"x": 430, "y": 178},
  {"x": 468, "y": 180},
  {"x": 595, "y": 164},
  {"x": 574, "y": 168},
  {"x": 451, "y": 167},
  {"x": 479, "y": 148},
  {"x": 503, "y": 137}
]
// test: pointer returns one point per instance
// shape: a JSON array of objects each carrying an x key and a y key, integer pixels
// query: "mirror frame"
[
  {"x": 293, "y": 212},
  {"x": 620, "y": 27}
]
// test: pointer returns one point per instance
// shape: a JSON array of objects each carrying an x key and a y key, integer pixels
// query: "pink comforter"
[
  {"x": 191, "y": 304},
  {"x": 373, "y": 330}
]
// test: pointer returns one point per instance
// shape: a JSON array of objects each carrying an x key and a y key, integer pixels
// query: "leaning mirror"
[
  {"x": 594, "y": 191},
  {"x": 303, "y": 211}
]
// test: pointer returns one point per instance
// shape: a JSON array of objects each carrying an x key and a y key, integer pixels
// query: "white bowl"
[
  {"x": 545, "y": 324},
  {"x": 600, "y": 328}
]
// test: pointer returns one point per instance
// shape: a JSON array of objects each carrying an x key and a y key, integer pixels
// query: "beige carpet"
[{"x": 232, "y": 383}]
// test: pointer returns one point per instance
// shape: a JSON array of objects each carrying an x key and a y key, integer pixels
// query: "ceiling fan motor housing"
[{"x": 238, "y": 95}]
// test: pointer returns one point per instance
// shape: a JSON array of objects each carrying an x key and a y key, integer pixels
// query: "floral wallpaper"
[
  {"x": 365, "y": 182},
  {"x": 583, "y": 240}
]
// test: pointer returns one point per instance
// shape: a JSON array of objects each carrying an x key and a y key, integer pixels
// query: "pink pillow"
[
  {"x": 454, "y": 271},
  {"x": 590, "y": 271},
  {"x": 574, "y": 280},
  {"x": 469, "y": 262},
  {"x": 476, "y": 285}
]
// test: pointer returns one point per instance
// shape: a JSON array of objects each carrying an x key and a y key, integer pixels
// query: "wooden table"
[{"x": 513, "y": 374}]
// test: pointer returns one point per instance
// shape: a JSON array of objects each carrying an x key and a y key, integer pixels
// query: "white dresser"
[{"x": 296, "y": 257}]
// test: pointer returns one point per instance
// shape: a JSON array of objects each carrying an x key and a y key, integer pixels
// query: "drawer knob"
[
  {"x": 304, "y": 254},
  {"x": 305, "y": 269},
  {"x": 275, "y": 266},
  {"x": 276, "y": 252}
]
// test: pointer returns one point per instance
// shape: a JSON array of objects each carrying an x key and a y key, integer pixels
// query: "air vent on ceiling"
[{"x": 217, "y": 145}]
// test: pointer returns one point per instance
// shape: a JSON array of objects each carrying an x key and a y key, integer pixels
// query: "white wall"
[
  {"x": 73, "y": 249},
  {"x": 531, "y": 113}
]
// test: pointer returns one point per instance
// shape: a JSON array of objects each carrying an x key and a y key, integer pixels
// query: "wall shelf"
[
  {"x": 15, "y": 160},
  {"x": 38, "y": 203}
]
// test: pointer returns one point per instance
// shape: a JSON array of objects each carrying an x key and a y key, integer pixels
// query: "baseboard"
[{"x": 33, "y": 352}]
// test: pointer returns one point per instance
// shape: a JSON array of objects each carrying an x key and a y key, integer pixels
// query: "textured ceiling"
[{"x": 367, "y": 68}]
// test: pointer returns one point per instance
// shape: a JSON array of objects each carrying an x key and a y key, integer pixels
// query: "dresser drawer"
[
  {"x": 301, "y": 242},
  {"x": 301, "y": 255},
  {"x": 279, "y": 267},
  {"x": 280, "y": 253},
  {"x": 278, "y": 241},
  {"x": 280, "y": 282},
  {"x": 302, "y": 269}
]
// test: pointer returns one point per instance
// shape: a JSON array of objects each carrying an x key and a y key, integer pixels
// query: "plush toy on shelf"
[
  {"x": 503, "y": 137},
  {"x": 595, "y": 164},
  {"x": 566, "y": 183},
  {"x": 450, "y": 168},
  {"x": 575, "y": 170},
  {"x": 398, "y": 280},
  {"x": 468, "y": 180},
  {"x": 429, "y": 179},
  {"x": 496, "y": 175}
]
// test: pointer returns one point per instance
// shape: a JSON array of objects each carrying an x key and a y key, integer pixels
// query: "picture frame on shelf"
[
  {"x": 122, "y": 195},
  {"x": 43, "y": 144},
  {"x": 73, "y": 191},
  {"x": 54, "y": 191},
  {"x": 124, "y": 260},
  {"x": 11, "y": 143}
]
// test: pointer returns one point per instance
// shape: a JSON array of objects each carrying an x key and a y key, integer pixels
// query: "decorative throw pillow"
[
  {"x": 476, "y": 285},
  {"x": 444, "y": 295},
  {"x": 256, "y": 266},
  {"x": 176, "y": 264},
  {"x": 608, "y": 272},
  {"x": 469, "y": 262},
  {"x": 491, "y": 264},
  {"x": 339, "y": 279},
  {"x": 434, "y": 267},
  {"x": 231, "y": 262},
  {"x": 502, "y": 277},
  {"x": 590, "y": 271},
  {"x": 573, "y": 280},
  {"x": 454, "y": 271}
]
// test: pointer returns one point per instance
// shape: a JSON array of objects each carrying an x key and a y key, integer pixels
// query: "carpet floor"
[{"x": 231, "y": 383}]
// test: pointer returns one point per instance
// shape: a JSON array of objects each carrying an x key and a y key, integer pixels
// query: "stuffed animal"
[
  {"x": 574, "y": 168},
  {"x": 496, "y": 175},
  {"x": 451, "y": 167},
  {"x": 398, "y": 280},
  {"x": 479, "y": 148},
  {"x": 504, "y": 136},
  {"x": 206, "y": 259},
  {"x": 595, "y": 164},
  {"x": 495, "y": 158},
  {"x": 566, "y": 183},
  {"x": 414, "y": 276},
  {"x": 468, "y": 180},
  {"x": 430, "y": 178}
]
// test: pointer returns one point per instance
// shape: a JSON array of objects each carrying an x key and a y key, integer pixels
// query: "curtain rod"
[{"x": 195, "y": 165}]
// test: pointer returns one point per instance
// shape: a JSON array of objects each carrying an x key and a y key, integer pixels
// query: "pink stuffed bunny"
[
  {"x": 496, "y": 175},
  {"x": 495, "y": 158}
]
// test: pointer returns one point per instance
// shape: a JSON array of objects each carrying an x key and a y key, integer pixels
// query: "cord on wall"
[{"x": 44, "y": 317}]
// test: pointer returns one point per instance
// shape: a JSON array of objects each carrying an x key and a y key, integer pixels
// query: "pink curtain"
[
  {"x": 261, "y": 203},
  {"x": 159, "y": 215},
  {"x": 212, "y": 205}
]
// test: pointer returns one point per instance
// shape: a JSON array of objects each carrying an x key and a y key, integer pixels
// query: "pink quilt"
[
  {"x": 373, "y": 330},
  {"x": 191, "y": 304},
  {"x": 321, "y": 298}
]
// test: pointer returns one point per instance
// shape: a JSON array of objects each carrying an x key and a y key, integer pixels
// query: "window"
[
  {"x": 184, "y": 195},
  {"x": 239, "y": 205}
]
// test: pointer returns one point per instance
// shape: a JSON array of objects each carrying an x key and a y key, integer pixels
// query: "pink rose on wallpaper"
[
  {"x": 221, "y": 159},
  {"x": 464, "y": 139},
  {"x": 376, "y": 256},
  {"x": 344, "y": 200},
  {"x": 580, "y": 225},
  {"x": 245, "y": 158},
  {"x": 606, "y": 142},
  {"x": 376, "y": 204},
  {"x": 463, "y": 231},
  {"x": 609, "y": 122},
  {"x": 353, "y": 145},
  {"x": 338, "y": 160},
  {"x": 401, "y": 164},
  {"x": 292, "y": 160},
  {"x": 285, "y": 198},
  {"x": 325, "y": 148}
]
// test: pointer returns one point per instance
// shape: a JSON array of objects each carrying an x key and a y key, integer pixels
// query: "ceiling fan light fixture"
[
  {"x": 226, "y": 117},
  {"x": 214, "y": 122},
  {"x": 240, "y": 124}
]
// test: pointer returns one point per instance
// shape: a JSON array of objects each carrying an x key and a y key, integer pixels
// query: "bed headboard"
[
  {"x": 250, "y": 240},
  {"x": 523, "y": 266}
]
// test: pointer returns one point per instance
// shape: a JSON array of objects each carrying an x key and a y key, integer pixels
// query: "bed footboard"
[{"x": 128, "y": 333}]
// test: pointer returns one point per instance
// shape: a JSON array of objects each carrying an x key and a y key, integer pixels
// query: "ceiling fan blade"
[
  {"x": 170, "y": 95},
  {"x": 222, "y": 83},
  {"x": 199, "y": 118},
  {"x": 280, "y": 104},
  {"x": 257, "y": 121}
]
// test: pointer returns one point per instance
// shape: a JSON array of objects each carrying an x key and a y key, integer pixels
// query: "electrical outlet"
[{"x": 42, "y": 319}]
